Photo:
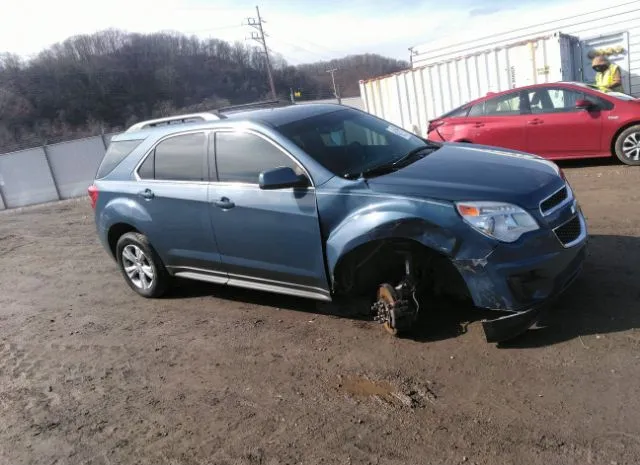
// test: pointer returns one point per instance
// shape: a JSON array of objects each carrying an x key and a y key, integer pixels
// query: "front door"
[
  {"x": 268, "y": 239},
  {"x": 557, "y": 129},
  {"x": 173, "y": 191}
]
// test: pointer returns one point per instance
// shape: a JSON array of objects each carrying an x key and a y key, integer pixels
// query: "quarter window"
[
  {"x": 117, "y": 151},
  {"x": 241, "y": 157},
  {"x": 179, "y": 158}
]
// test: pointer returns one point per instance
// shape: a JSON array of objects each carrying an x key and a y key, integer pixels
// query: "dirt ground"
[{"x": 92, "y": 374}]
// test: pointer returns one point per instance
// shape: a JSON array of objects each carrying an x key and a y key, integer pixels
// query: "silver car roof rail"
[{"x": 178, "y": 119}]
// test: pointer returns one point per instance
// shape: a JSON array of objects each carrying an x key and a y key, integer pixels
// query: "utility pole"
[
  {"x": 335, "y": 89},
  {"x": 260, "y": 38}
]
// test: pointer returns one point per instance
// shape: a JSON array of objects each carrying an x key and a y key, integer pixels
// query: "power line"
[
  {"x": 260, "y": 38},
  {"x": 297, "y": 46},
  {"x": 210, "y": 29},
  {"x": 319, "y": 46}
]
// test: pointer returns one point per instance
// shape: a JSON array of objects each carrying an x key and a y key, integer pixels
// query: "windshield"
[{"x": 348, "y": 142}]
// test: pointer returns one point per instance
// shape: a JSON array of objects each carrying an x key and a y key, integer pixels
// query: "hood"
[{"x": 473, "y": 172}]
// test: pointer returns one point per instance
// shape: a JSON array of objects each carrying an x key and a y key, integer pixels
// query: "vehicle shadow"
[
  {"x": 589, "y": 162},
  {"x": 604, "y": 299}
]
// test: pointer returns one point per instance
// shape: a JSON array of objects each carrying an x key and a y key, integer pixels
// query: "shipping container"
[
  {"x": 413, "y": 97},
  {"x": 599, "y": 26}
]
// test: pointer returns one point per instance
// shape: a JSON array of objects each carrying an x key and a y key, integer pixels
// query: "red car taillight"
[{"x": 93, "y": 195}]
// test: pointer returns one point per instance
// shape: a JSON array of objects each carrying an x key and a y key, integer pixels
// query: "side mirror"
[
  {"x": 584, "y": 104},
  {"x": 280, "y": 178}
]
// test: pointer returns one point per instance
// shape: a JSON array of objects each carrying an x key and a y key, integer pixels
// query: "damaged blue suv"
[{"x": 328, "y": 202}]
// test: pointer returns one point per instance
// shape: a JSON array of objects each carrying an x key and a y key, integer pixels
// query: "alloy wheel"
[
  {"x": 138, "y": 267},
  {"x": 631, "y": 146}
]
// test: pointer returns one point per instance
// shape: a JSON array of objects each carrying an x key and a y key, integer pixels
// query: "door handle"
[
  {"x": 224, "y": 203},
  {"x": 533, "y": 122},
  {"x": 479, "y": 125},
  {"x": 146, "y": 194}
]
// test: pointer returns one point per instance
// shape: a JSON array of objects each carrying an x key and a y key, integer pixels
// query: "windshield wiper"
[
  {"x": 410, "y": 154},
  {"x": 394, "y": 165}
]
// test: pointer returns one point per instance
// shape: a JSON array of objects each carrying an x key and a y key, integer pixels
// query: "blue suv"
[{"x": 328, "y": 202}]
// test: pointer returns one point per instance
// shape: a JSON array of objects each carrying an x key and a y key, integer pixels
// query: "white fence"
[{"x": 49, "y": 173}]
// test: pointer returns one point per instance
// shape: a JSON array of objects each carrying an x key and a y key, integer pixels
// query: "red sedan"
[{"x": 556, "y": 121}]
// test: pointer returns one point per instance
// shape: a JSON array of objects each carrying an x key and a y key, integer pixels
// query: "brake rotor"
[{"x": 386, "y": 308}]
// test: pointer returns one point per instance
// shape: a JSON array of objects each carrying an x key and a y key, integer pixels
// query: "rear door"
[
  {"x": 499, "y": 121},
  {"x": 557, "y": 129},
  {"x": 173, "y": 189}
]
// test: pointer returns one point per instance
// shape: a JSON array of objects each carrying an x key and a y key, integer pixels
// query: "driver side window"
[
  {"x": 553, "y": 100},
  {"x": 242, "y": 156}
]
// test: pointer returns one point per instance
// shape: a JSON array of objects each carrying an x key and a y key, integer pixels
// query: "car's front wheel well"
[
  {"x": 116, "y": 232},
  {"x": 359, "y": 272}
]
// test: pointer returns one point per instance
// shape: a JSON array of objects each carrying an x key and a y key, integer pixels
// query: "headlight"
[{"x": 501, "y": 221}]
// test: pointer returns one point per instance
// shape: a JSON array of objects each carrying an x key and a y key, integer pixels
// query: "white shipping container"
[
  {"x": 413, "y": 97},
  {"x": 597, "y": 25}
]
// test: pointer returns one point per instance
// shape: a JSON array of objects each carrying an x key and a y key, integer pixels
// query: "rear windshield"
[
  {"x": 117, "y": 151},
  {"x": 459, "y": 112}
]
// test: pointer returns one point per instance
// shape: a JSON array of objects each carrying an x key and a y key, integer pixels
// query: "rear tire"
[
  {"x": 627, "y": 147},
  {"x": 141, "y": 266}
]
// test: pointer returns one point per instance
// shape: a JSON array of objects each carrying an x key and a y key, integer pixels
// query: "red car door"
[
  {"x": 499, "y": 122},
  {"x": 557, "y": 129}
]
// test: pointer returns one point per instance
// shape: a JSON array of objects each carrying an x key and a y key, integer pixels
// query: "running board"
[{"x": 235, "y": 281}]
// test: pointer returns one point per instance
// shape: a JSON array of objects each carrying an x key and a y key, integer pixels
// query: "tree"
[{"x": 110, "y": 78}]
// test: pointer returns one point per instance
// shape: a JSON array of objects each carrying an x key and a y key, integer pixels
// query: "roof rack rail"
[
  {"x": 178, "y": 119},
  {"x": 246, "y": 106}
]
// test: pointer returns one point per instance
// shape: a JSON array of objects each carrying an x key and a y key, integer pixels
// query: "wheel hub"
[{"x": 394, "y": 309}]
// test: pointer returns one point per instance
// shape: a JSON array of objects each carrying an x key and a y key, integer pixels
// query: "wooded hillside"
[{"x": 111, "y": 79}]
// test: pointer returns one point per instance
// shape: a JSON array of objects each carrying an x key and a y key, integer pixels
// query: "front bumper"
[
  {"x": 515, "y": 323},
  {"x": 523, "y": 279}
]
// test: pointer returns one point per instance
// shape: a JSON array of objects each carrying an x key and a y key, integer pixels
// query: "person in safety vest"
[{"x": 608, "y": 78}]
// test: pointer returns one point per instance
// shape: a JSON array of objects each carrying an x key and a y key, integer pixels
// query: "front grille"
[
  {"x": 553, "y": 201},
  {"x": 570, "y": 231}
]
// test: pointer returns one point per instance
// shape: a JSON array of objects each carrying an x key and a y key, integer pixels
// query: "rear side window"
[
  {"x": 179, "y": 158},
  {"x": 504, "y": 105},
  {"x": 117, "y": 151},
  {"x": 477, "y": 110},
  {"x": 241, "y": 157}
]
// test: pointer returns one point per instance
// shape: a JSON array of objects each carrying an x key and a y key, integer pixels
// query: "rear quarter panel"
[
  {"x": 456, "y": 129},
  {"x": 116, "y": 205}
]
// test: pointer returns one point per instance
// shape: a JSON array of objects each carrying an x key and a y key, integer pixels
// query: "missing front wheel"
[{"x": 396, "y": 308}]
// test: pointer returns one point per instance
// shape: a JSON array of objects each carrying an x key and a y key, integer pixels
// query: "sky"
[{"x": 299, "y": 30}]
